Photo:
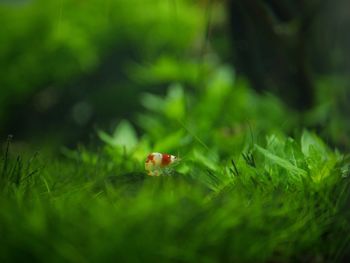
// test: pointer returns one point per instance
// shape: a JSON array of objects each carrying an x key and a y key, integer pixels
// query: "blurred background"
[{"x": 69, "y": 68}]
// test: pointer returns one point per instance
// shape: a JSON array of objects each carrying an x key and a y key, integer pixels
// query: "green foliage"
[
  {"x": 236, "y": 196},
  {"x": 251, "y": 185},
  {"x": 124, "y": 136},
  {"x": 92, "y": 208},
  {"x": 72, "y": 38}
]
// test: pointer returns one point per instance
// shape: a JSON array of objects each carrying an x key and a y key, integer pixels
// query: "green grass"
[
  {"x": 276, "y": 199},
  {"x": 94, "y": 209}
]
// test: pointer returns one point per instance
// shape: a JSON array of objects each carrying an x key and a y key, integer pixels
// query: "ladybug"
[{"x": 156, "y": 162}]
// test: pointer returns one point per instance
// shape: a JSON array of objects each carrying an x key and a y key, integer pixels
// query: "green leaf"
[
  {"x": 311, "y": 143},
  {"x": 282, "y": 162},
  {"x": 123, "y": 136},
  {"x": 152, "y": 102},
  {"x": 175, "y": 102},
  {"x": 318, "y": 158}
]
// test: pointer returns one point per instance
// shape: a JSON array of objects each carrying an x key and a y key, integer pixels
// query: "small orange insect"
[{"x": 157, "y": 162}]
